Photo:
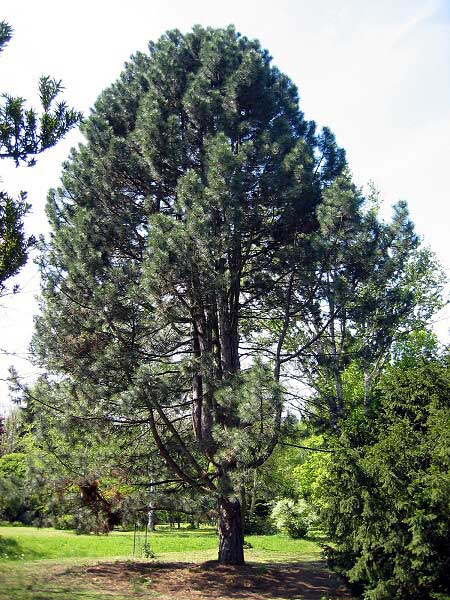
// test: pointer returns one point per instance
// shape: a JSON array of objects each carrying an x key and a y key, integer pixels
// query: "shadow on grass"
[
  {"x": 11, "y": 550},
  {"x": 209, "y": 580}
]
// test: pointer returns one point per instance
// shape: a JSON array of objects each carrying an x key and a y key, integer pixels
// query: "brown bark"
[
  {"x": 231, "y": 536},
  {"x": 243, "y": 502},
  {"x": 253, "y": 495}
]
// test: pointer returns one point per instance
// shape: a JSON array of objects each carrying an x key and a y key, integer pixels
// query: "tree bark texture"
[{"x": 231, "y": 536}]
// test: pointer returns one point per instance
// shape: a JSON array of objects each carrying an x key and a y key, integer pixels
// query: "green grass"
[
  {"x": 284, "y": 545},
  {"x": 46, "y": 564},
  {"x": 27, "y": 543}
]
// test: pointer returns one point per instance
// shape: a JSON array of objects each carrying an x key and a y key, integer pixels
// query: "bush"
[
  {"x": 85, "y": 521},
  {"x": 4, "y": 523},
  {"x": 296, "y": 528},
  {"x": 64, "y": 522},
  {"x": 256, "y": 525},
  {"x": 294, "y": 518},
  {"x": 42, "y": 520}
]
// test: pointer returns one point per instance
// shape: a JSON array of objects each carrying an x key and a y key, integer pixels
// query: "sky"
[{"x": 376, "y": 73}]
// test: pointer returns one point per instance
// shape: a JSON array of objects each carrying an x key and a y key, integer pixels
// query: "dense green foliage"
[{"x": 387, "y": 493}]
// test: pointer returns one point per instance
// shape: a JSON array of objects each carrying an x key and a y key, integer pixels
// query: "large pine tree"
[{"x": 177, "y": 254}]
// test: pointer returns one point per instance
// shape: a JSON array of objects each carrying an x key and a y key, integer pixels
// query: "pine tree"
[{"x": 174, "y": 257}]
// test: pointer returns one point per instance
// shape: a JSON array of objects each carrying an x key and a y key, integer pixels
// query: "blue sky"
[{"x": 377, "y": 73}]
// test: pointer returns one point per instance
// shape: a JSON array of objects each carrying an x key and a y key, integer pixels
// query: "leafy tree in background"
[
  {"x": 14, "y": 496},
  {"x": 372, "y": 283},
  {"x": 23, "y": 135},
  {"x": 22, "y": 497}
]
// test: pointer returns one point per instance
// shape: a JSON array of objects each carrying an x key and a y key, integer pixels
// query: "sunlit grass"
[
  {"x": 27, "y": 543},
  {"x": 37, "y": 564}
]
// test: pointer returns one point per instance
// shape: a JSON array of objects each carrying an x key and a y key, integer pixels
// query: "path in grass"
[{"x": 277, "y": 568}]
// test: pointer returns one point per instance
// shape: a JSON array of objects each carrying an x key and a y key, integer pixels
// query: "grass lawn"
[
  {"x": 45, "y": 564},
  {"x": 28, "y": 543}
]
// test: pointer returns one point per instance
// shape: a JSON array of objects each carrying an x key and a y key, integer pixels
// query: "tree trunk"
[
  {"x": 151, "y": 519},
  {"x": 366, "y": 390},
  {"x": 231, "y": 537},
  {"x": 253, "y": 495},
  {"x": 243, "y": 503}
]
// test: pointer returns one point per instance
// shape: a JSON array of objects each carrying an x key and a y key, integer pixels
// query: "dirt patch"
[{"x": 211, "y": 581}]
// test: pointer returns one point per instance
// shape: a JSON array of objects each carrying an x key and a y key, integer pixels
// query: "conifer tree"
[
  {"x": 208, "y": 247},
  {"x": 180, "y": 235}
]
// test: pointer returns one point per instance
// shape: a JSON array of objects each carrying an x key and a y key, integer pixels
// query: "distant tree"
[
  {"x": 23, "y": 135},
  {"x": 372, "y": 284},
  {"x": 10, "y": 432}
]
